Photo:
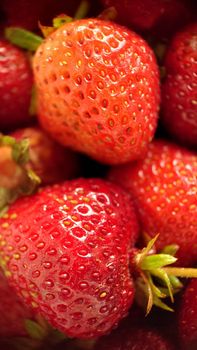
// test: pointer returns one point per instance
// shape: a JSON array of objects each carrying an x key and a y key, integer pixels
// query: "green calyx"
[
  {"x": 20, "y": 180},
  {"x": 39, "y": 335},
  {"x": 30, "y": 41},
  {"x": 156, "y": 280},
  {"x": 23, "y": 38}
]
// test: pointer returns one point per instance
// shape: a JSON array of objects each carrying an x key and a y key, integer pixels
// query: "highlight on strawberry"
[
  {"x": 98, "y": 243},
  {"x": 69, "y": 253}
]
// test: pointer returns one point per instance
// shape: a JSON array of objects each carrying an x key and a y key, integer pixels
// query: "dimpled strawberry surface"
[
  {"x": 12, "y": 311},
  {"x": 98, "y": 90},
  {"x": 67, "y": 251},
  {"x": 98, "y": 175},
  {"x": 163, "y": 186}
]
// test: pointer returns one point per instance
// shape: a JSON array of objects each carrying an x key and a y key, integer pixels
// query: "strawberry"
[
  {"x": 132, "y": 336},
  {"x": 15, "y": 86},
  {"x": 51, "y": 162},
  {"x": 98, "y": 89},
  {"x": 179, "y": 96},
  {"x": 160, "y": 17},
  {"x": 29, "y": 157},
  {"x": 164, "y": 188},
  {"x": 13, "y": 312},
  {"x": 188, "y": 317},
  {"x": 64, "y": 253}
]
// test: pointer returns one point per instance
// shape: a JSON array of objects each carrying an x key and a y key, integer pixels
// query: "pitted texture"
[
  {"x": 98, "y": 89},
  {"x": 187, "y": 318},
  {"x": 16, "y": 82},
  {"x": 13, "y": 312},
  {"x": 179, "y": 90},
  {"x": 66, "y": 252},
  {"x": 164, "y": 186}
]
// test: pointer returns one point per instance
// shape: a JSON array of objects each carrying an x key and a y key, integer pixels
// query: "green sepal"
[
  {"x": 61, "y": 20},
  {"x": 156, "y": 261},
  {"x": 23, "y": 38},
  {"x": 175, "y": 282},
  {"x": 20, "y": 152},
  {"x": 35, "y": 330},
  {"x": 32, "y": 182},
  {"x": 170, "y": 249},
  {"x": 159, "y": 303},
  {"x": 27, "y": 182},
  {"x": 82, "y": 9},
  {"x": 156, "y": 279},
  {"x": 163, "y": 276}
]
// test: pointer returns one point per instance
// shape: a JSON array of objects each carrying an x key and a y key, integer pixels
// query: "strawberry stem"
[
  {"x": 23, "y": 38},
  {"x": 181, "y": 272},
  {"x": 82, "y": 10}
]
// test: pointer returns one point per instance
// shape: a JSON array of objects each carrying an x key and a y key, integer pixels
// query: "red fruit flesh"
[
  {"x": 15, "y": 87},
  {"x": 164, "y": 187},
  {"x": 188, "y": 317},
  {"x": 179, "y": 94},
  {"x": 51, "y": 162},
  {"x": 68, "y": 249},
  {"x": 98, "y": 90},
  {"x": 13, "y": 312}
]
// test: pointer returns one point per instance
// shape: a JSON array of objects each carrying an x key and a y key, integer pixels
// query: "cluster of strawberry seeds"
[{"x": 98, "y": 175}]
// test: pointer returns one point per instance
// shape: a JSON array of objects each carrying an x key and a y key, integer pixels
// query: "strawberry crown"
[
  {"x": 27, "y": 181},
  {"x": 30, "y": 41},
  {"x": 156, "y": 280}
]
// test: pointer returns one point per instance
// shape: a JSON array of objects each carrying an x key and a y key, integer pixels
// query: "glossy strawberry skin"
[
  {"x": 67, "y": 252},
  {"x": 15, "y": 87},
  {"x": 187, "y": 317},
  {"x": 13, "y": 312},
  {"x": 179, "y": 108},
  {"x": 98, "y": 90},
  {"x": 164, "y": 186},
  {"x": 50, "y": 161},
  {"x": 160, "y": 17}
]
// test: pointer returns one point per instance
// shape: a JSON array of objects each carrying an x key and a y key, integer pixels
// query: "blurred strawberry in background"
[{"x": 16, "y": 81}]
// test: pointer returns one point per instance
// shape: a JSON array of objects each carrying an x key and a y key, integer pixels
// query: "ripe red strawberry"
[
  {"x": 130, "y": 336},
  {"x": 66, "y": 251},
  {"x": 188, "y": 317},
  {"x": 164, "y": 186},
  {"x": 15, "y": 86},
  {"x": 161, "y": 17},
  {"x": 13, "y": 312},
  {"x": 98, "y": 89},
  {"x": 51, "y": 162},
  {"x": 179, "y": 88}
]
